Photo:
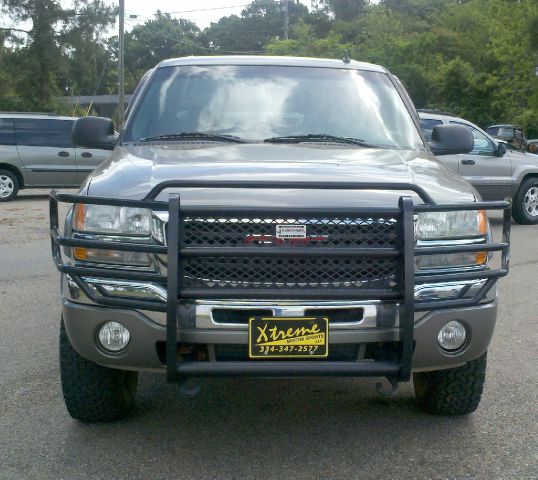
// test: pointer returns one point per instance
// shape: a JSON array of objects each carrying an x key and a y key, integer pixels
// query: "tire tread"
[
  {"x": 456, "y": 391},
  {"x": 518, "y": 211}
]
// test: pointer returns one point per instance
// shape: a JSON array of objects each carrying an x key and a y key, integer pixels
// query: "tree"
[
  {"x": 7, "y": 92},
  {"x": 306, "y": 44},
  {"x": 345, "y": 10},
  {"x": 260, "y": 21},
  {"x": 157, "y": 39},
  {"x": 90, "y": 68},
  {"x": 41, "y": 58}
]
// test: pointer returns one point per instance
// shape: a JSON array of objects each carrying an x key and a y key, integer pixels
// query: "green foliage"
[
  {"x": 42, "y": 53},
  {"x": 260, "y": 22},
  {"x": 345, "y": 10},
  {"x": 159, "y": 38},
  {"x": 305, "y": 44},
  {"x": 61, "y": 53},
  {"x": 476, "y": 58},
  {"x": 89, "y": 65}
]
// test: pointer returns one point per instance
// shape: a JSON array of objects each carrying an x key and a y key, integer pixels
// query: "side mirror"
[
  {"x": 451, "y": 139},
  {"x": 500, "y": 150},
  {"x": 94, "y": 132}
]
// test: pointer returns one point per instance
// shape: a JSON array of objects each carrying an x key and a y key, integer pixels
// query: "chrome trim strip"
[
  {"x": 204, "y": 312},
  {"x": 157, "y": 290}
]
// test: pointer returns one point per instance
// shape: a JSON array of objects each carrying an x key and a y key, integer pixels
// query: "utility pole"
[
  {"x": 121, "y": 53},
  {"x": 286, "y": 19}
]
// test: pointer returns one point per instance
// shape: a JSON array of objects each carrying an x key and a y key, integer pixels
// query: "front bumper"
[{"x": 83, "y": 322}]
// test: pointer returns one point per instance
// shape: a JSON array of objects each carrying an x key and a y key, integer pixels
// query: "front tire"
[
  {"x": 9, "y": 186},
  {"x": 93, "y": 393},
  {"x": 526, "y": 203},
  {"x": 456, "y": 391}
]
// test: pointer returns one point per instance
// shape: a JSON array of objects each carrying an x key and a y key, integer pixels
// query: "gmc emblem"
[{"x": 260, "y": 239}]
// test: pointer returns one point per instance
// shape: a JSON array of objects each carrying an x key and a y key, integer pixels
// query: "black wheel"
[
  {"x": 93, "y": 393},
  {"x": 9, "y": 186},
  {"x": 455, "y": 391},
  {"x": 525, "y": 209}
]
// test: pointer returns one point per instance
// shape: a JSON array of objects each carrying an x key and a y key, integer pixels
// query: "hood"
[
  {"x": 132, "y": 171},
  {"x": 523, "y": 157}
]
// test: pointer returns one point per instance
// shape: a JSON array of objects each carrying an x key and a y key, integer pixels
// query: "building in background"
[{"x": 101, "y": 105}]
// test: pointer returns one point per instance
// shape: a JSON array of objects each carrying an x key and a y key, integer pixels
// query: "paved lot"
[{"x": 245, "y": 428}]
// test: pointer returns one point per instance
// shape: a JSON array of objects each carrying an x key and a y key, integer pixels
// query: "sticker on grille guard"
[{"x": 290, "y": 231}]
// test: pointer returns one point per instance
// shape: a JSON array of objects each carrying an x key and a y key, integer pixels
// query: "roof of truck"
[{"x": 271, "y": 60}]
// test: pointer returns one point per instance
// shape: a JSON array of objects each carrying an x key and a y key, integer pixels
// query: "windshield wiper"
[
  {"x": 194, "y": 136},
  {"x": 318, "y": 137}
]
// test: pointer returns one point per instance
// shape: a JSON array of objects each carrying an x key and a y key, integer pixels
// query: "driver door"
[{"x": 490, "y": 174}]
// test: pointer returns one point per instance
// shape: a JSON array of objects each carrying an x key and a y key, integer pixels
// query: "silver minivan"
[{"x": 36, "y": 151}]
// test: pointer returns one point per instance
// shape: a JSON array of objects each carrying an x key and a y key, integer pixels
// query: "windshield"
[{"x": 255, "y": 103}]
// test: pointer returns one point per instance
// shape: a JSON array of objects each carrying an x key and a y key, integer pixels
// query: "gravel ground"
[{"x": 246, "y": 428}]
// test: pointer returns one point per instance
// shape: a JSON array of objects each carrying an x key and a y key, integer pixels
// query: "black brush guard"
[{"x": 404, "y": 251}]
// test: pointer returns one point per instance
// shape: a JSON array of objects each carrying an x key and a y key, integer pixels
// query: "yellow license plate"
[{"x": 288, "y": 337}]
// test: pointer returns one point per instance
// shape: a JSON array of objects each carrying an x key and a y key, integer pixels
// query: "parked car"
[
  {"x": 274, "y": 216},
  {"x": 36, "y": 151},
  {"x": 495, "y": 171},
  {"x": 532, "y": 146},
  {"x": 513, "y": 135}
]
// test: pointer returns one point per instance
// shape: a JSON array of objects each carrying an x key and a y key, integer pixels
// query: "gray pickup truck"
[{"x": 274, "y": 217}]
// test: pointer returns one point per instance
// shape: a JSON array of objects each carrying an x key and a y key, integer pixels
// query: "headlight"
[
  {"x": 450, "y": 228},
  {"x": 451, "y": 225},
  {"x": 111, "y": 220},
  {"x": 106, "y": 220}
]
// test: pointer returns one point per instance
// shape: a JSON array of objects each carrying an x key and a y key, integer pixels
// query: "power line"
[
  {"x": 256, "y": 3},
  {"x": 9, "y": 29},
  {"x": 207, "y": 9},
  {"x": 276, "y": 29}
]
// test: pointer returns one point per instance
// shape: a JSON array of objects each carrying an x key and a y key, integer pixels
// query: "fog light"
[
  {"x": 452, "y": 336},
  {"x": 113, "y": 336}
]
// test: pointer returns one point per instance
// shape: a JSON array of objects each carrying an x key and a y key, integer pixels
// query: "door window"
[
  {"x": 7, "y": 135},
  {"x": 37, "y": 132},
  {"x": 427, "y": 124},
  {"x": 482, "y": 144}
]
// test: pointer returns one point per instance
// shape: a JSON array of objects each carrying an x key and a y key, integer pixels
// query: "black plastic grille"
[
  {"x": 261, "y": 232},
  {"x": 274, "y": 272},
  {"x": 288, "y": 272}
]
